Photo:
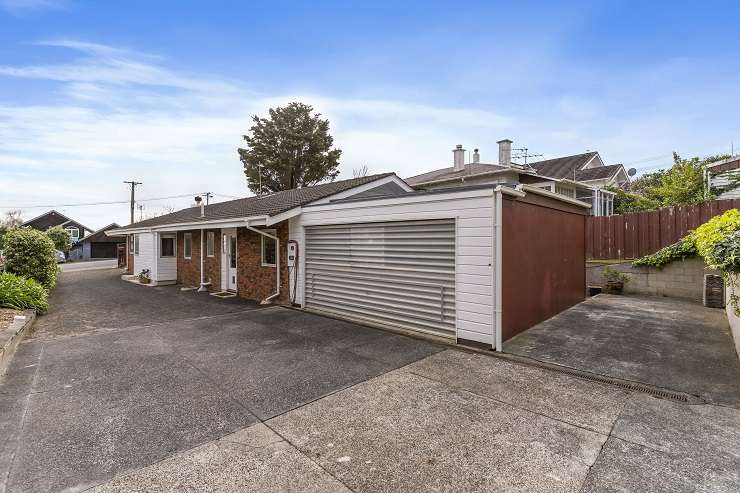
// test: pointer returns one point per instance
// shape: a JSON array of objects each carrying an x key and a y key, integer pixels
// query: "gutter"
[{"x": 269, "y": 299}]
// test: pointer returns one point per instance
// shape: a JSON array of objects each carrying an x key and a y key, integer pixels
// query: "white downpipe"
[
  {"x": 277, "y": 263},
  {"x": 498, "y": 265},
  {"x": 202, "y": 274}
]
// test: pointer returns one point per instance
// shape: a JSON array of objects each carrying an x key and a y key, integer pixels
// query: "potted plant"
[
  {"x": 615, "y": 280},
  {"x": 144, "y": 277}
]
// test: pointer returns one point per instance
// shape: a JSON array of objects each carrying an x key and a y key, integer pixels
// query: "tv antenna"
[{"x": 523, "y": 152}]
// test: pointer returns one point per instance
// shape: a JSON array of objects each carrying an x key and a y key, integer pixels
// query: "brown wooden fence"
[{"x": 635, "y": 235}]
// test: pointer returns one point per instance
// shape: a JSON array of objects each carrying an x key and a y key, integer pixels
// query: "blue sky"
[{"x": 92, "y": 93}]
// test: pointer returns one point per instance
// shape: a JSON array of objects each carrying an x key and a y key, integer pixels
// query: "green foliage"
[
  {"x": 3, "y": 232},
  {"x": 682, "y": 184},
  {"x": 714, "y": 231},
  {"x": 30, "y": 253},
  {"x": 613, "y": 275},
  {"x": 21, "y": 294},
  {"x": 60, "y": 237},
  {"x": 290, "y": 149},
  {"x": 625, "y": 201},
  {"x": 683, "y": 248}
]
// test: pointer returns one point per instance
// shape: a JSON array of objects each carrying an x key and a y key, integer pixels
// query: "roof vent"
[{"x": 476, "y": 157}]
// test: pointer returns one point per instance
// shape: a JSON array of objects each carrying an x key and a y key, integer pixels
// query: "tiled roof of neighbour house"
[
  {"x": 598, "y": 173},
  {"x": 450, "y": 173},
  {"x": 563, "y": 167},
  {"x": 264, "y": 205}
]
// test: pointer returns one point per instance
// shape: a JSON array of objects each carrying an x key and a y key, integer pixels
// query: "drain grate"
[
  {"x": 223, "y": 294},
  {"x": 635, "y": 387}
]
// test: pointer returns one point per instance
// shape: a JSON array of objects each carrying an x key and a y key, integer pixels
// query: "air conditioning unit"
[{"x": 714, "y": 291}]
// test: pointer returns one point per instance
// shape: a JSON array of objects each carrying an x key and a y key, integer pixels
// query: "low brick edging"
[
  {"x": 682, "y": 279},
  {"x": 12, "y": 335}
]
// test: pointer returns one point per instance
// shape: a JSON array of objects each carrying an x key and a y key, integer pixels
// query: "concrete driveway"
[
  {"x": 130, "y": 388},
  {"x": 672, "y": 344}
]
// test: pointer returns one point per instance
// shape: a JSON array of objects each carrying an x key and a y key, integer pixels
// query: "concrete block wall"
[
  {"x": 733, "y": 318},
  {"x": 682, "y": 279}
]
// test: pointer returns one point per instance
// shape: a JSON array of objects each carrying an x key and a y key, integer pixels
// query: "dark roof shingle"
[
  {"x": 562, "y": 167},
  {"x": 265, "y": 205},
  {"x": 598, "y": 173}
]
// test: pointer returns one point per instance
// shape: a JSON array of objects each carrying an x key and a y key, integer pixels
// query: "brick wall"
[
  {"x": 253, "y": 280},
  {"x": 188, "y": 270},
  {"x": 682, "y": 279}
]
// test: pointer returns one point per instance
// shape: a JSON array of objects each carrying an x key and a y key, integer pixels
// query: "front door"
[{"x": 231, "y": 261}]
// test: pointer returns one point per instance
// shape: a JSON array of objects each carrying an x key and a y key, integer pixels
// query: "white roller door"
[{"x": 391, "y": 273}]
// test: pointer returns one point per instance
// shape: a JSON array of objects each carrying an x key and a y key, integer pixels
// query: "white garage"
[{"x": 399, "y": 273}]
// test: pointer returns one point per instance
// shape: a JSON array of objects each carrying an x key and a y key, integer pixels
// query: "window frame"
[
  {"x": 174, "y": 245},
  {"x": 69, "y": 230},
  {"x": 210, "y": 244},
  {"x": 185, "y": 238},
  {"x": 273, "y": 232},
  {"x": 131, "y": 244},
  {"x": 136, "y": 244}
]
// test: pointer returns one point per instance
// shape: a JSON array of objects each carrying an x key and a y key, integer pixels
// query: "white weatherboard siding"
[
  {"x": 472, "y": 211},
  {"x": 723, "y": 180},
  {"x": 145, "y": 259}
]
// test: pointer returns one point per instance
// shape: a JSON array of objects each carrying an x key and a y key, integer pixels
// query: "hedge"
[{"x": 31, "y": 254}]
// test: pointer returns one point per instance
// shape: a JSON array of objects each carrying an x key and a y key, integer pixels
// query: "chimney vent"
[
  {"x": 199, "y": 201},
  {"x": 476, "y": 156},
  {"x": 504, "y": 152},
  {"x": 458, "y": 154}
]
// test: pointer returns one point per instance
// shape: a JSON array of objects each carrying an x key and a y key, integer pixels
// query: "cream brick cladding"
[
  {"x": 734, "y": 319},
  {"x": 682, "y": 279}
]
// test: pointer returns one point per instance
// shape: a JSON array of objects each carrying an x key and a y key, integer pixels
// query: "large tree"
[{"x": 290, "y": 149}]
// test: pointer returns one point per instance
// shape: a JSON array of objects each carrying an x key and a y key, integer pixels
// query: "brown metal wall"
[
  {"x": 635, "y": 235},
  {"x": 544, "y": 261}
]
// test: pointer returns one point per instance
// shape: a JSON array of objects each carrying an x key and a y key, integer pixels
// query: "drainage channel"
[{"x": 671, "y": 395}]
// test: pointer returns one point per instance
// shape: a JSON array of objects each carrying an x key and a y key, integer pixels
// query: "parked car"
[{"x": 60, "y": 257}]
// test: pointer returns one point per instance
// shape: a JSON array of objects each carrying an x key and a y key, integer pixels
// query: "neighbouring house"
[
  {"x": 98, "y": 245},
  {"x": 723, "y": 178},
  {"x": 479, "y": 262},
  {"x": 582, "y": 176},
  {"x": 53, "y": 218}
]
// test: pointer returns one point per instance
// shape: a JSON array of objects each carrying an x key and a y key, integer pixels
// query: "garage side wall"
[
  {"x": 544, "y": 262},
  {"x": 473, "y": 214}
]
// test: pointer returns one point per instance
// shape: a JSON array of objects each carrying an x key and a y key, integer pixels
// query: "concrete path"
[
  {"x": 89, "y": 265},
  {"x": 668, "y": 343},
  {"x": 186, "y": 392}
]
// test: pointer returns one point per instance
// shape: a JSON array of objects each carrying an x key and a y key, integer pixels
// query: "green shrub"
[
  {"x": 60, "y": 237},
  {"x": 683, "y": 248},
  {"x": 21, "y": 294},
  {"x": 714, "y": 231},
  {"x": 613, "y": 275},
  {"x": 31, "y": 254}
]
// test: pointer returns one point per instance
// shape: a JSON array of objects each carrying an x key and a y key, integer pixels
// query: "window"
[
  {"x": 167, "y": 246},
  {"x": 210, "y": 243},
  {"x": 74, "y": 233},
  {"x": 187, "y": 249},
  {"x": 130, "y": 243},
  {"x": 136, "y": 244},
  {"x": 269, "y": 249},
  {"x": 567, "y": 191}
]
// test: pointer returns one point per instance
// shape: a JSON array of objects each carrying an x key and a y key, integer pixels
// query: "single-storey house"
[
  {"x": 53, "y": 218},
  {"x": 98, "y": 245},
  {"x": 475, "y": 263},
  {"x": 581, "y": 176},
  {"x": 723, "y": 178}
]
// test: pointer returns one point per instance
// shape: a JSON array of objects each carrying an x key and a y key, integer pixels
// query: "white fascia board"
[
  {"x": 296, "y": 211},
  {"x": 435, "y": 196},
  {"x": 514, "y": 192},
  {"x": 213, "y": 224},
  {"x": 553, "y": 195}
]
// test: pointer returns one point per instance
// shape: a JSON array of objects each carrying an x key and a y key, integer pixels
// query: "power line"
[{"x": 85, "y": 204}]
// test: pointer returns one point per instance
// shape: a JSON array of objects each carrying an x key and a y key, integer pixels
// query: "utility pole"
[
  {"x": 208, "y": 195},
  {"x": 133, "y": 194}
]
